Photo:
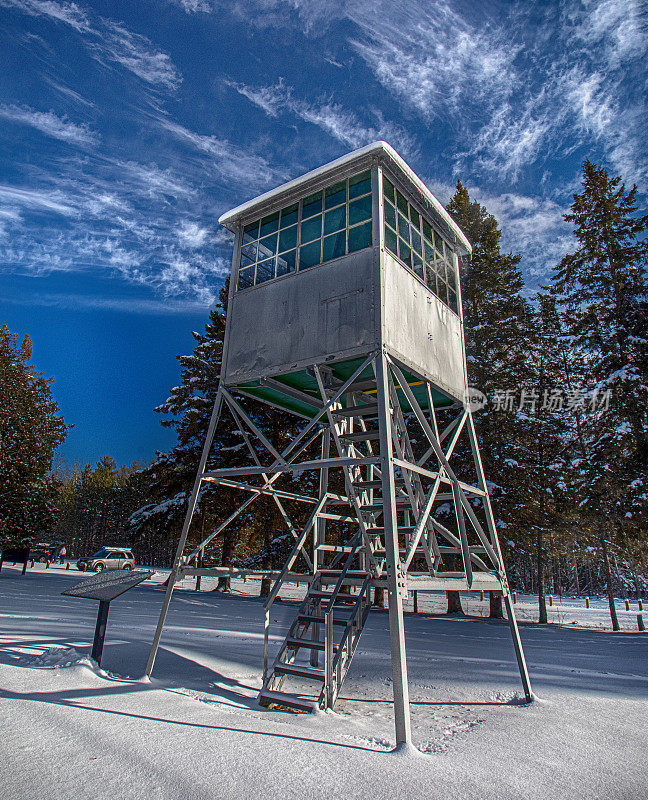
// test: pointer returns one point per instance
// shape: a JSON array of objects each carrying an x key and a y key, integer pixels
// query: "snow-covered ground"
[{"x": 68, "y": 729}]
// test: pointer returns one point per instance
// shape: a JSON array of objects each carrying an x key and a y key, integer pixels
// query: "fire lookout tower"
[{"x": 345, "y": 310}]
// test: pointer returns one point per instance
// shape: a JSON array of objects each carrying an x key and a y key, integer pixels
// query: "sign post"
[{"x": 104, "y": 587}]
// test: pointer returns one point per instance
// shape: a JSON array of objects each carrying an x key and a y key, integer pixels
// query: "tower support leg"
[
  {"x": 185, "y": 530},
  {"x": 395, "y": 576}
]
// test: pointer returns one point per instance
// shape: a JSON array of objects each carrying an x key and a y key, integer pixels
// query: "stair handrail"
[{"x": 355, "y": 542}]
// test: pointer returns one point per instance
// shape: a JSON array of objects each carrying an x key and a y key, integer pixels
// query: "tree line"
[{"x": 563, "y": 430}]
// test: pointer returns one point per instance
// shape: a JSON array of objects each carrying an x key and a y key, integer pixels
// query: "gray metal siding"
[
  {"x": 420, "y": 330},
  {"x": 329, "y": 310}
]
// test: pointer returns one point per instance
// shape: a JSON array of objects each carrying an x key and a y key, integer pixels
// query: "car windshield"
[{"x": 100, "y": 553}]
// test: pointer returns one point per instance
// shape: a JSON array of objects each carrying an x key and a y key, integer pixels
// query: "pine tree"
[
  {"x": 602, "y": 290},
  {"x": 171, "y": 475},
  {"x": 30, "y": 432},
  {"x": 499, "y": 333}
]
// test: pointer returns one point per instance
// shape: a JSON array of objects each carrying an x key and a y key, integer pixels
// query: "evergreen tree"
[
  {"x": 499, "y": 333},
  {"x": 30, "y": 432},
  {"x": 171, "y": 475},
  {"x": 602, "y": 290}
]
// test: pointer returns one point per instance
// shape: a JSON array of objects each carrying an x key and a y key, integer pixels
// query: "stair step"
[
  {"x": 375, "y": 484},
  {"x": 362, "y": 384},
  {"x": 307, "y": 644},
  {"x": 373, "y": 507},
  {"x": 355, "y": 411},
  {"x": 267, "y": 698},
  {"x": 346, "y": 599},
  {"x": 321, "y": 620},
  {"x": 360, "y": 436},
  {"x": 299, "y": 671},
  {"x": 378, "y": 531}
]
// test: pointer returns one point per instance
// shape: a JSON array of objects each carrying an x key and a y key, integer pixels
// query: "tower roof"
[{"x": 381, "y": 150}]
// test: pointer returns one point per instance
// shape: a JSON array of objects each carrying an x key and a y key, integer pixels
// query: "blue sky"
[{"x": 127, "y": 128}]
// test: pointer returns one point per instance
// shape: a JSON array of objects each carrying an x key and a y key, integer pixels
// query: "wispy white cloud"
[
  {"x": 133, "y": 306},
  {"x": 194, "y": 6},
  {"x": 108, "y": 41},
  {"x": 68, "y": 13},
  {"x": 36, "y": 200},
  {"x": 328, "y": 115},
  {"x": 137, "y": 54},
  {"x": 232, "y": 163},
  {"x": 50, "y": 124},
  {"x": 191, "y": 234}
]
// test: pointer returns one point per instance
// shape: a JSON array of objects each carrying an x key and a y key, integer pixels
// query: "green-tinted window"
[
  {"x": 360, "y": 210},
  {"x": 286, "y": 262},
  {"x": 360, "y": 237},
  {"x": 270, "y": 223},
  {"x": 267, "y": 246},
  {"x": 288, "y": 238},
  {"x": 401, "y": 202},
  {"x": 416, "y": 241},
  {"x": 334, "y": 220},
  {"x": 249, "y": 252},
  {"x": 335, "y": 194},
  {"x": 417, "y": 265},
  {"x": 429, "y": 252},
  {"x": 452, "y": 301},
  {"x": 311, "y": 229},
  {"x": 390, "y": 241},
  {"x": 451, "y": 277},
  {"x": 289, "y": 215},
  {"x": 265, "y": 270},
  {"x": 359, "y": 184},
  {"x": 390, "y": 215},
  {"x": 404, "y": 252},
  {"x": 246, "y": 278},
  {"x": 309, "y": 255},
  {"x": 311, "y": 205},
  {"x": 334, "y": 246},
  {"x": 415, "y": 217},
  {"x": 388, "y": 189},
  {"x": 252, "y": 230},
  {"x": 427, "y": 230},
  {"x": 403, "y": 227}
]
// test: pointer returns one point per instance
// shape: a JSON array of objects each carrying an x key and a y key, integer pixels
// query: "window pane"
[
  {"x": 360, "y": 237},
  {"x": 401, "y": 202},
  {"x": 251, "y": 237},
  {"x": 245, "y": 278},
  {"x": 335, "y": 220},
  {"x": 335, "y": 194},
  {"x": 427, "y": 230},
  {"x": 452, "y": 301},
  {"x": 404, "y": 252},
  {"x": 246, "y": 262},
  {"x": 360, "y": 210},
  {"x": 442, "y": 290},
  {"x": 415, "y": 217},
  {"x": 309, "y": 255},
  {"x": 249, "y": 251},
  {"x": 311, "y": 205},
  {"x": 390, "y": 215},
  {"x": 403, "y": 227},
  {"x": 270, "y": 223},
  {"x": 360, "y": 184},
  {"x": 451, "y": 277},
  {"x": 265, "y": 270},
  {"x": 334, "y": 246},
  {"x": 252, "y": 230},
  {"x": 388, "y": 189},
  {"x": 288, "y": 238},
  {"x": 390, "y": 240},
  {"x": 267, "y": 246},
  {"x": 286, "y": 262},
  {"x": 416, "y": 242},
  {"x": 289, "y": 215},
  {"x": 429, "y": 253},
  {"x": 441, "y": 268},
  {"x": 430, "y": 278},
  {"x": 417, "y": 265},
  {"x": 311, "y": 229}
]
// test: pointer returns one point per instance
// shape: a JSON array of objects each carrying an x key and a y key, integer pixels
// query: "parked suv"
[{"x": 108, "y": 558}]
